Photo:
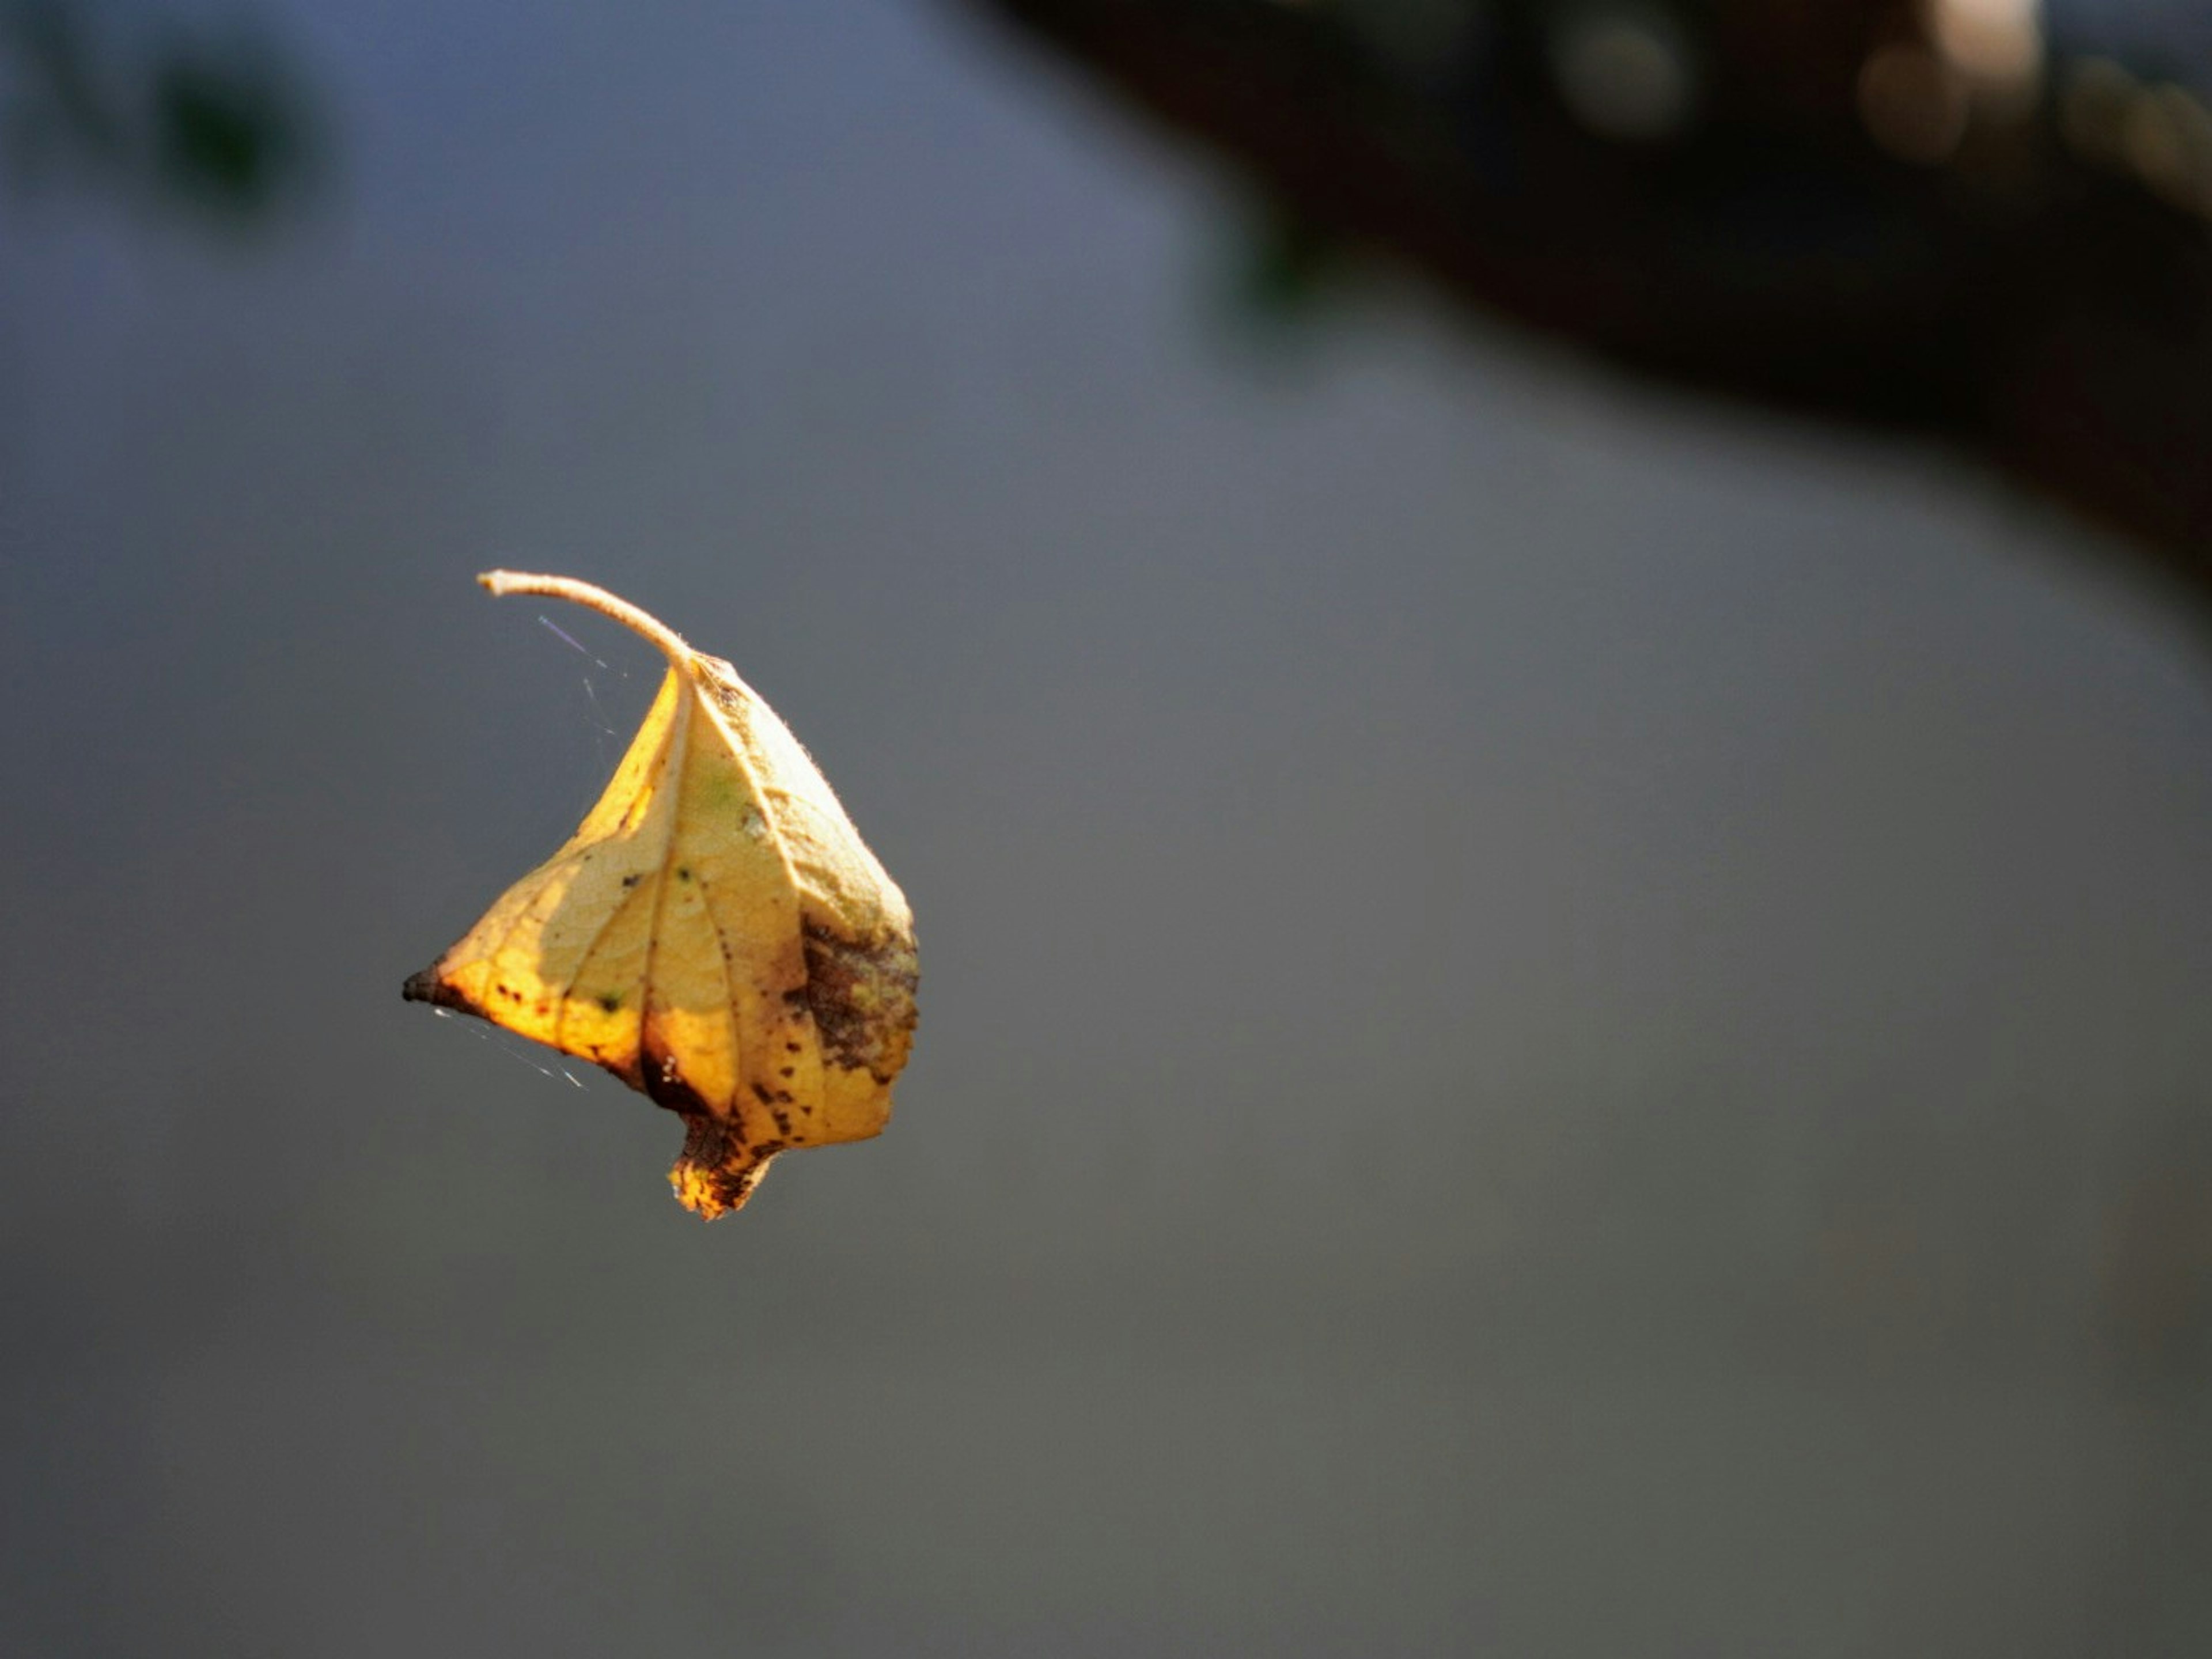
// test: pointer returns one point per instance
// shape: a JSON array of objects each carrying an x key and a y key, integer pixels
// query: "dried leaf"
[{"x": 714, "y": 933}]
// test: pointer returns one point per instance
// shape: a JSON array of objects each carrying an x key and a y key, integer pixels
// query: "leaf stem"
[{"x": 503, "y": 582}]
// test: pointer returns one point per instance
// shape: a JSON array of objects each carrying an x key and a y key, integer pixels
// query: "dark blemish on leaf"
[
  {"x": 792, "y": 1048},
  {"x": 787, "y": 1071},
  {"x": 664, "y": 1085},
  {"x": 720, "y": 681},
  {"x": 682, "y": 872},
  {"x": 764, "y": 1096},
  {"x": 610, "y": 1001},
  {"x": 629, "y": 881},
  {"x": 861, "y": 992}
]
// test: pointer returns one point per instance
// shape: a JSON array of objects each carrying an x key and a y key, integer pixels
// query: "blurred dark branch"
[{"x": 1829, "y": 207}]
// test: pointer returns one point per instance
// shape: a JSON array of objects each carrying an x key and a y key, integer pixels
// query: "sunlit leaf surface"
[{"x": 715, "y": 933}]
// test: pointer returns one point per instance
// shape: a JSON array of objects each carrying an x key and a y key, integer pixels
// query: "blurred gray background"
[{"x": 1555, "y": 1022}]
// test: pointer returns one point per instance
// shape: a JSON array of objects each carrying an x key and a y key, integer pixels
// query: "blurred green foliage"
[
  {"x": 1289, "y": 266},
  {"x": 218, "y": 122}
]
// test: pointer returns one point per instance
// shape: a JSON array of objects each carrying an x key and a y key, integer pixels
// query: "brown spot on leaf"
[
  {"x": 662, "y": 1079},
  {"x": 861, "y": 993}
]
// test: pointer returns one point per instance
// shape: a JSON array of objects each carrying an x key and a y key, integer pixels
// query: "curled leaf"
[{"x": 715, "y": 933}]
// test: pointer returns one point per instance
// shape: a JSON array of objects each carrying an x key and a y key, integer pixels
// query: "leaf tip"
[
  {"x": 430, "y": 986},
  {"x": 718, "y": 1171}
]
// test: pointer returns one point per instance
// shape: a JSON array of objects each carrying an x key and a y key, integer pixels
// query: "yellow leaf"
[{"x": 714, "y": 933}]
